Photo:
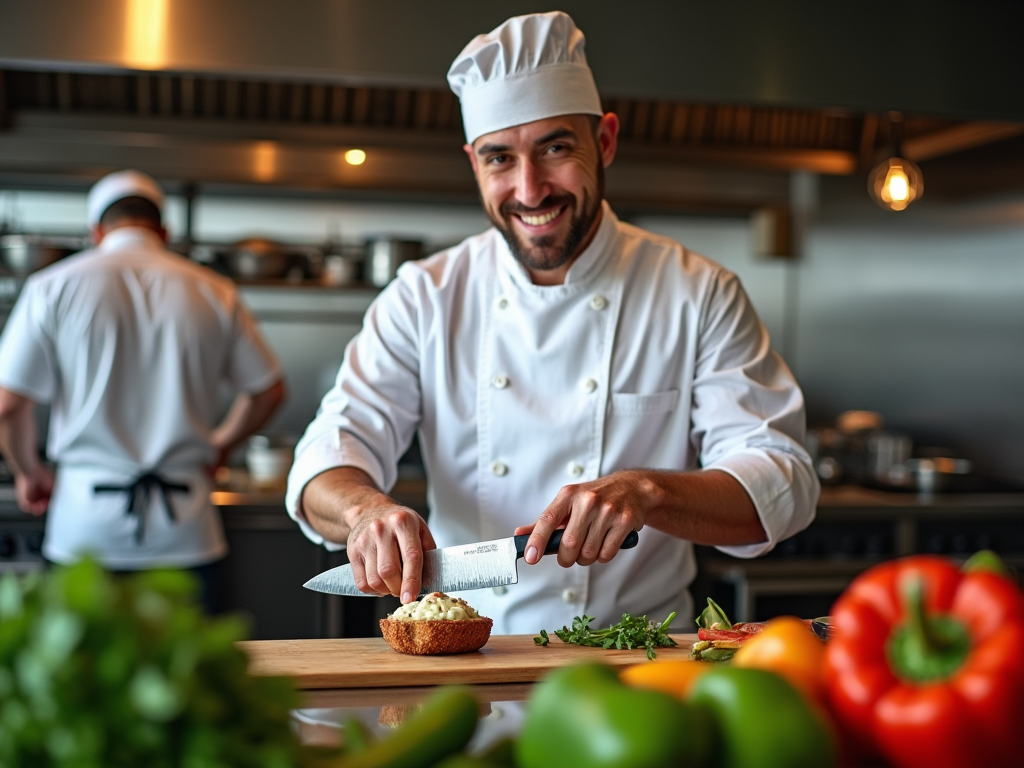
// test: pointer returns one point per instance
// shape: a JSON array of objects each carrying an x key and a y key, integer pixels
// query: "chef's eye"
[
  {"x": 497, "y": 160},
  {"x": 556, "y": 149}
]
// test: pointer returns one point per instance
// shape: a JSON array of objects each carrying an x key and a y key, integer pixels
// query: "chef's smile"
[{"x": 542, "y": 223}]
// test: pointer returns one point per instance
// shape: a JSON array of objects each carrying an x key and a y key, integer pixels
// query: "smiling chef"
[{"x": 562, "y": 369}]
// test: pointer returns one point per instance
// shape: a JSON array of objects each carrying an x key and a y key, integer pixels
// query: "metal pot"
[
  {"x": 339, "y": 270},
  {"x": 24, "y": 254},
  {"x": 385, "y": 255},
  {"x": 257, "y": 259},
  {"x": 937, "y": 473}
]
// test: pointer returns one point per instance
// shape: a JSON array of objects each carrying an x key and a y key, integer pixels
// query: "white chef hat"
[
  {"x": 118, "y": 186},
  {"x": 529, "y": 68}
]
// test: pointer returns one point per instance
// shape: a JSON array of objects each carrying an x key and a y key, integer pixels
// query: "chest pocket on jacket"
[{"x": 631, "y": 404}]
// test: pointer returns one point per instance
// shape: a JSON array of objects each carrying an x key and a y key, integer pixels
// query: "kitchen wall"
[{"x": 918, "y": 315}]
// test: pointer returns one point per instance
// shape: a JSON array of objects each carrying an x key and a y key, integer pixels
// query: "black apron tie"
[{"x": 139, "y": 492}]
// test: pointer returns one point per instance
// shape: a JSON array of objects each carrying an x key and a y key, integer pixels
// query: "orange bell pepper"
[
  {"x": 788, "y": 648},
  {"x": 927, "y": 665},
  {"x": 672, "y": 676}
]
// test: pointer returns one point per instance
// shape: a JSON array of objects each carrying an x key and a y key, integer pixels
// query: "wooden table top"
[{"x": 359, "y": 663}]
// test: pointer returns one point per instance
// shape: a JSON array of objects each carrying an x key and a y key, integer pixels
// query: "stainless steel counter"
[
  {"x": 408, "y": 491},
  {"x": 850, "y": 497},
  {"x": 855, "y": 528}
]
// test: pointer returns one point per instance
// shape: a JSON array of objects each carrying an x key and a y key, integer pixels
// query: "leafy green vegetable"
[
  {"x": 105, "y": 672},
  {"x": 713, "y": 617},
  {"x": 631, "y": 632}
]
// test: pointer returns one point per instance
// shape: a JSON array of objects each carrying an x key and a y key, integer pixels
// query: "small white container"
[{"x": 268, "y": 459}]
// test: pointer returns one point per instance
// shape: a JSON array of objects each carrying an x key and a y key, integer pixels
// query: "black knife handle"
[{"x": 556, "y": 538}]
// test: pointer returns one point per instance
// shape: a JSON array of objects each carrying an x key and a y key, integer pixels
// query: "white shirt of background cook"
[
  {"x": 647, "y": 356},
  {"x": 129, "y": 343}
]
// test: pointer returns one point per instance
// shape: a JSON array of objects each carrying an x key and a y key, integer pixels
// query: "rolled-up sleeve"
[
  {"x": 368, "y": 419},
  {"x": 748, "y": 416}
]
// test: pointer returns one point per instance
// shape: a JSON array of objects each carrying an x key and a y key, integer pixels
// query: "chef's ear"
[
  {"x": 608, "y": 137},
  {"x": 468, "y": 149}
]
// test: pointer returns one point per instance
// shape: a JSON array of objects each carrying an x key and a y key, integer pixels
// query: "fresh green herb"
[{"x": 631, "y": 632}]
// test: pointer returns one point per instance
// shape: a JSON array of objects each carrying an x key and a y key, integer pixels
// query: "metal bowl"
[
  {"x": 258, "y": 259},
  {"x": 24, "y": 254}
]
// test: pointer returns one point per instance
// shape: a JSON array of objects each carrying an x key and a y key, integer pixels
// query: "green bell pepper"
[
  {"x": 763, "y": 722},
  {"x": 584, "y": 716}
]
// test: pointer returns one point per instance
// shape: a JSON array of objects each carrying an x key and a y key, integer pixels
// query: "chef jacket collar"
[
  {"x": 123, "y": 236},
  {"x": 587, "y": 266}
]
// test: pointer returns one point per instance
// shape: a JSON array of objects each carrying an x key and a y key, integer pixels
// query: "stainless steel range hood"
[
  {"x": 920, "y": 57},
  {"x": 718, "y": 107}
]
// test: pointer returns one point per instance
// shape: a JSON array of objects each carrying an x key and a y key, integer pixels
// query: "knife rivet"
[{"x": 499, "y": 469}]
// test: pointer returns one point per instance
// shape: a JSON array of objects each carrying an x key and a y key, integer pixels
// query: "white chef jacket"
[
  {"x": 648, "y": 355},
  {"x": 130, "y": 343}
]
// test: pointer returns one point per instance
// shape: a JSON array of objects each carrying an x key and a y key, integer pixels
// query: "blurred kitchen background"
[{"x": 309, "y": 149}]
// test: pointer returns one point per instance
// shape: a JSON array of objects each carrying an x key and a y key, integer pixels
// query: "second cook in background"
[
  {"x": 561, "y": 369},
  {"x": 129, "y": 343}
]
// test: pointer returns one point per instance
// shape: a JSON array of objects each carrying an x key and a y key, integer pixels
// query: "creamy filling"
[{"x": 436, "y": 606}]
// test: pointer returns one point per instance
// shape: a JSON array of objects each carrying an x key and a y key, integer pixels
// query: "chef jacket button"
[
  {"x": 502, "y": 303},
  {"x": 598, "y": 302},
  {"x": 499, "y": 591},
  {"x": 500, "y": 382},
  {"x": 574, "y": 469},
  {"x": 499, "y": 469},
  {"x": 569, "y": 595},
  {"x": 588, "y": 385}
]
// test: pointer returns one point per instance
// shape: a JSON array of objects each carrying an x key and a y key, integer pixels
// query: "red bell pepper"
[{"x": 927, "y": 664}]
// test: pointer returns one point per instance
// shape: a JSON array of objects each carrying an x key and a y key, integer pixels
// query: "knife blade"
[{"x": 453, "y": 569}]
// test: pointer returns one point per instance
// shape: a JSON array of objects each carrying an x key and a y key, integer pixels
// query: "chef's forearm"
[
  {"x": 18, "y": 433},
  {"x": 333, "y": 501},
  {"x": 707, "y": 507}
]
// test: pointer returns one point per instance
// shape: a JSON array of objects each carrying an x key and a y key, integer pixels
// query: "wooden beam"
[
  {"x": 958, "y": 138},
  {"x": 867, "y": 138},
  {"x": 825, "y": 161}
]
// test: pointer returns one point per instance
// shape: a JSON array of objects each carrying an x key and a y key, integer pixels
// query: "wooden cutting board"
[{"x": 371, "y": 663}]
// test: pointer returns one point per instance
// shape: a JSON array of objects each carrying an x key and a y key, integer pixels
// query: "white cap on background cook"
[
  {"x": 118, "y": 186},
  {"x": 529, "y": 68}
]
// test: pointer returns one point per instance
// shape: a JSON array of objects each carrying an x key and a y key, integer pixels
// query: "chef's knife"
[{"x": 468, "y": 566}]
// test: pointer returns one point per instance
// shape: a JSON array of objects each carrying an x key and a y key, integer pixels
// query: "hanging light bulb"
[{"x": 895, "y": 183}]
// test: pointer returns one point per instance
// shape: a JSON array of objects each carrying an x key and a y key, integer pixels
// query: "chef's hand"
[
  {"x": 597, "y": 517},
  {"x": 32, "y": 491},
  {"x": 385, "y": 548}
]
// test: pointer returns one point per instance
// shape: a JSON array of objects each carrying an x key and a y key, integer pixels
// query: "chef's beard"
[{"x": 546, "y": 253}]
